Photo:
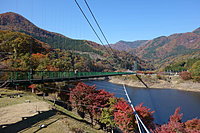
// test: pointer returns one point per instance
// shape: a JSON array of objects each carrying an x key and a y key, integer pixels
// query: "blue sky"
[{"x": 127, "y": 20}]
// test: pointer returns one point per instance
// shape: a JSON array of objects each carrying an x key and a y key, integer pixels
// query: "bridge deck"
[{"x": 24, "y": 77}]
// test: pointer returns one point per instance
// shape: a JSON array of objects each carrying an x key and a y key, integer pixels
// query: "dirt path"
[{"x": 14, "y": 113}]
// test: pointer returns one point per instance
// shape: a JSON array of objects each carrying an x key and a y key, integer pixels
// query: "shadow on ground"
[{"x": 26, "y": 122}]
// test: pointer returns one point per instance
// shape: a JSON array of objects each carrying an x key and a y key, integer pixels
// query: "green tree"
[
  {"x": 107, "y": 117},
  {"x": 195, "y": 70}
]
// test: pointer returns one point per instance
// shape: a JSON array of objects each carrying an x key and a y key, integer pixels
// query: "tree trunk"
[{"x": 91, "y": 118}]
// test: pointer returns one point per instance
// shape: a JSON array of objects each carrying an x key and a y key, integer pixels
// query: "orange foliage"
[
  {"x": 38, "y": 56},
  {"x": 185, "y": 75},
  {"x": 32, "y": 86},
  {"x": 193, "y": 124},
  {"x": 146, "y": 72},
  {"x": 52, "y": 68}
]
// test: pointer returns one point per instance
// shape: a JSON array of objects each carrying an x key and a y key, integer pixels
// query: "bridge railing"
[{"x": 39, "y": 75}]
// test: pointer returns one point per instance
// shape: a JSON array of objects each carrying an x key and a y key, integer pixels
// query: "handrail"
[{"x": 27, "y": 75}]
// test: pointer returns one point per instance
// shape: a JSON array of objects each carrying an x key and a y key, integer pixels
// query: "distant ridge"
[
  {"x": 127, "y": 46},
  {"x": 166, "y": 49},
  {"x": 175, "y": 44},
  {"x": 197, "y": 31}
]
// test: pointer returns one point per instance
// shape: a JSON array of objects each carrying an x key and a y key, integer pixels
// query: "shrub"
[
  {"x": 193, "y": 124},
  {"x": 125, "y": 119},
  {"x": 185, "y": 75},
  {"x": 146, "y": 115},
  {"x": 158, "y": 76},
  {"x": 195, "y": 71},
  {"x": 174, "y": 125},
  {"x": 196, "y": 78},
  {"x": 89, "y": 100}
]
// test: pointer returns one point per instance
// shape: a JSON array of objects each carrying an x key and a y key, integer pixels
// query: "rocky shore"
[{"x": 152, "y": 81}]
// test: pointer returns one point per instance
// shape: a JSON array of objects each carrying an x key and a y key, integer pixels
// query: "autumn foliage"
[
  {"x": 175, "y": 125},
  {"x": 146, "y": 115},
  {"x": 193, "y": 125},
  {"x": 110, "y": 112},
  {"x": 185, "y": 75},
  {"x": 87, "y": 99},
  {"x": 123, "y": 116},
  {"x": 104, "y": 108}
]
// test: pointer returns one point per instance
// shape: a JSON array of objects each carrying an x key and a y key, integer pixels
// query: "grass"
[
  {"x": 72, "y": 123},
  {"x": 61, "y": 109},
  {"x": 7, "y": 101},
  {"x": 63, "y": 121},
  {"x": 9, "y": 92},
  {"x": 61, "y": 124}
]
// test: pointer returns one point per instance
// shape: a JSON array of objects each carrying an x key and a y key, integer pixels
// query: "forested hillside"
[
  {"x": 166, "y": 49},
  {"x": 80, "y": 54},
  {"x": 22, "y": 52},
  {"x": 20, "y": 43},
  {"x": 15, "y": 22}
]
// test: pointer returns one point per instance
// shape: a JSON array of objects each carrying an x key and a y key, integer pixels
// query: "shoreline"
[{"x": 159, "y": 84}]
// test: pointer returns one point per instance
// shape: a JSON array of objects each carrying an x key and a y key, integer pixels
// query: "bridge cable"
[
  {"x": 114, "y": 54},
  {"x": 98, "y": 25},
  {"x": 142, "y": 81},
  {"x": 139, "y": 121},
  {"x": 90, "y": 24},
  {"x": 151, "y": 99}
]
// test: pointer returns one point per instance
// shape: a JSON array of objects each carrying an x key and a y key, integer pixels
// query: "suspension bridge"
[{"x": 37, "y": 77}]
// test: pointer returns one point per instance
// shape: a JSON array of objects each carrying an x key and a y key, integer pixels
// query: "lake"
[{"x": 162, "y": 101}]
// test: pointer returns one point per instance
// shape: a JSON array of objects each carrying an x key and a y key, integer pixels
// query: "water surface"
[{"x": 162, "y": 101}]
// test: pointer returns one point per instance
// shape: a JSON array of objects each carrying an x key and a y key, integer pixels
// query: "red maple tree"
[
  {"x": 89, "y": 100},
  {"x": 146, "y": 115},
  {"x": 123, "y": 116}
]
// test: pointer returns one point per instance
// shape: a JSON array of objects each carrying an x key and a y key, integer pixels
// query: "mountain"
[
  {"x": 163, "y": 49},
  {"x": 127, "y": 46},
  {"x": 172, "y": 45},
  {"x": 15, "y": 22},
  {"x": 25, "y": 34},
  {"x": 197, "y": 31}
]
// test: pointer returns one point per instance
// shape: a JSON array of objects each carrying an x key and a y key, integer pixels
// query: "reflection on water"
[{"x": 163, "y": 101}]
